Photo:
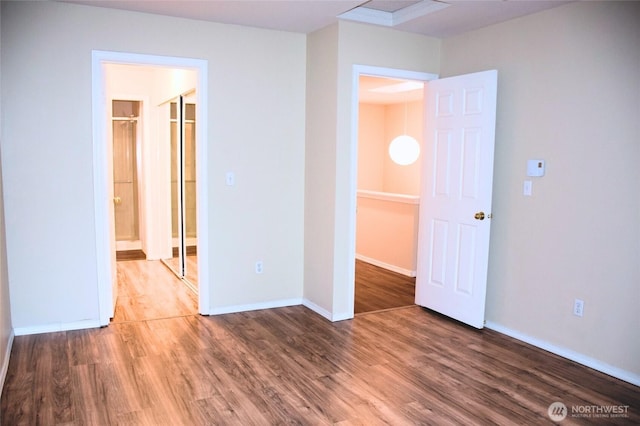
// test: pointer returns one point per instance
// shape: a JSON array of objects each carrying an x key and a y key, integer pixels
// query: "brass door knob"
[
  {"x": 117, "y": 201},
  {"x": 479, "y": 216}
]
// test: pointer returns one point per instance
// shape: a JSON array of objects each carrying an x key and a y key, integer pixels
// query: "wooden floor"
[
  {"x": 290, "y": 365},
  {"x": 191, "y": 262},
  {"x": 149, "y": 290},
  {"x": 377, "y": 289}
]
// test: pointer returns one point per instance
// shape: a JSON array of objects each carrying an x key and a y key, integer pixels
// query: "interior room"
[{"x": 273, "y": 335}]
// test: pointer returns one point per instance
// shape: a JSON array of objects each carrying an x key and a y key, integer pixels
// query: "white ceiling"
[{"x": 305, "y": 16}]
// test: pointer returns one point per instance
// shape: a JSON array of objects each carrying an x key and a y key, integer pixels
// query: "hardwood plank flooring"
[
  {"x": 149, "y": 290},
  {"x": 378, "y": 289},
  {"x": 289, "y": 365},
  {"x": 192, "y": 267}
]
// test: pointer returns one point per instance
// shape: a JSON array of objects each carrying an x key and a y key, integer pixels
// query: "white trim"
[
  {"x": 317, "y": 309},
  {"x": 326, "y": 314},
  {"x": 202, "y": 179},
  {"x": 368, "y": 15},
  {"x": 388, "y": 266},
  {"x": 342, "y": 316},
  {"x": 417, "y": 10},
  {"x": 5, "y": 364},
  {"x": 392, "y": 73},
  {"x": 611, "y": 370},
  {"x": 357, "y": 71},
  {"x": 58, "y": 326},
  {"x": 389, "y": 196},
  {"x": 255, "y": 306},
  {"x": 100, "y": 183}
]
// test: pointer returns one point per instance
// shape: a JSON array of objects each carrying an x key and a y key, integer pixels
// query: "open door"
[{"x": 455, "y": 202}]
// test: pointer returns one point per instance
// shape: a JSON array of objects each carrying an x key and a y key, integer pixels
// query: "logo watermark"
[{"x": 558, "y": 411}]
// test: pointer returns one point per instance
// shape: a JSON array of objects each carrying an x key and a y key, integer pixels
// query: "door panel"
[{"x": 453, "y": 249}]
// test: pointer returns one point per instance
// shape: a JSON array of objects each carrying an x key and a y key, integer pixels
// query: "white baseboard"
[
  {"x": 388, "y": 266},
  {"x": 51, "y": 328},
  {"x": 5, "y": 365},
  {"x": 317, "y": 309},
  {"x": 255, "y": 306},
  {"x": 323, "y": 312},
  {"x": 616, "y": 372}
]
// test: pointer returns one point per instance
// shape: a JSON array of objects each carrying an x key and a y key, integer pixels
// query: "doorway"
[
  {"x": 387, "y": 103},
  {"x": 456, "y": 192},
  {"x": 390, "y": 124},
  {"x": 103, "y": 185}
]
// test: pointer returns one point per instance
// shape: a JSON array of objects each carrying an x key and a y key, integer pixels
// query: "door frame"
[
  {"x": 374, "y": 71},
  {"x": 102, "y": 202}
]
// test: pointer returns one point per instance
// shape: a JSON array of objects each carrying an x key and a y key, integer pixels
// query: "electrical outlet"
[
  {"x": 259, "y": 267},
  {"x": 578, "y": 307}
]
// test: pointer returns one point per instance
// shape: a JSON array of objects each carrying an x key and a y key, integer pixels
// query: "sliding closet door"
[
  {"x": 183, "y": 190},
  {"x": 189, "y": 191}
]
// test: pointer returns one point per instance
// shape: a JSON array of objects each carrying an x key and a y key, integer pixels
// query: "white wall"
[
  {"x": 256, "y": 129},
  {"x": 569, "y": 84},
  {"x": 329, "y": 197},
  {"x": 6, "y": 329}
]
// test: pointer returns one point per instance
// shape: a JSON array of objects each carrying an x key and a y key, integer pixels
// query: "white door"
[{"x": 455, "y": 202}]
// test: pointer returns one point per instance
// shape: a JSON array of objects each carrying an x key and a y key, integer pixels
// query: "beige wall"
[
  {"x": 320, "y": 168},
  {"x": 6, "y": 330},
  {"x": 256, "y": 129},
  {"x": 569, "y": 84}
]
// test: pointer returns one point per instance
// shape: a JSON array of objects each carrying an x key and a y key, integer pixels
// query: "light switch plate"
[
  {"x": 535, "y": 168},
  {"x": 230, "y": 179}
]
